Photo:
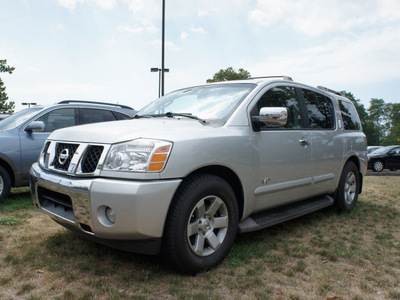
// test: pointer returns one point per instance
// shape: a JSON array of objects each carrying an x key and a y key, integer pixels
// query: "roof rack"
[
  {"x": 93, "y": 102},
  {"x": 278, "y": 76},
  {"x": 329, "y": 90}
]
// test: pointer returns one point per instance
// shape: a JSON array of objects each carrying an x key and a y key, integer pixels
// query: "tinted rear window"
[
  {"x": 319, "y": 109},
  {"x": 351, "y": 121}
]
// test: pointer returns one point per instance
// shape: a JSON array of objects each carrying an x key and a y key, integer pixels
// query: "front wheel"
[
  {"x": 201, "y": 224},
  {"x": 347, "y": 192},
  {"x": 5, "y": 184},
  {"x": 377, "y": 166}
]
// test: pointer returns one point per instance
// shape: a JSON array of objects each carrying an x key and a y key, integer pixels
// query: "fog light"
[{"x": 110, "y": 215}]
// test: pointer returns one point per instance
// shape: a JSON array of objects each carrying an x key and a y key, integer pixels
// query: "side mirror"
[
  {"x": 36, "y": 126},
  {"x": 273, "y": 116}
]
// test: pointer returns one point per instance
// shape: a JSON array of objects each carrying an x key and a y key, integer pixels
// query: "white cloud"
[
  {"x": 197, "y": 29},
  {"x": 69, "y": 4},
  {"x": 368, "y": 58},
  {"x": 148, "y": 10},
  {"x": 202, "y": 12},
  {"x": 314, "y": 17},
  {"x": 104, "y": 4},
  {"x": 184, "y": 35},
  {"x": 130, "y": 29},
  {"x": 170, "y": 45}
]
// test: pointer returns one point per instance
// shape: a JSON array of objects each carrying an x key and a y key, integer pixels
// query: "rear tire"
[
  {"x": 201, "y": 225},
  {"x": 5, "y": 184},
  {"x": 347, "y": 192}
]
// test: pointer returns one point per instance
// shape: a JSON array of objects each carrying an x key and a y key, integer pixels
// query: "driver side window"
[
  {"x": 395, "y": 151},
  {"x": 59, "y": 118},
  {"x": 282, "y": 96}
]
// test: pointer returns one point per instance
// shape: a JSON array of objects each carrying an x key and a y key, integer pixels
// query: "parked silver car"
[
  {"x": 202, "y": 163},
  {"x": 23, "y": 134}
]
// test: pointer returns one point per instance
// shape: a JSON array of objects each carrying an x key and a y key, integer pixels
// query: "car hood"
[
  {"x": 373, "y": 155},
  {"x": 120, "y": 131}
]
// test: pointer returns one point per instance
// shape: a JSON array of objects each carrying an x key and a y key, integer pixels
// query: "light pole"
[
  {"x": 29, "y": 103},
  {"x": 163, "y": 69},
  {"x": 163, "y": 48},
  {"x": 159, "y": 79}
]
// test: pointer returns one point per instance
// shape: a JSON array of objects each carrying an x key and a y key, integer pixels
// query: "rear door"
[{"x": 326, "y": 144}]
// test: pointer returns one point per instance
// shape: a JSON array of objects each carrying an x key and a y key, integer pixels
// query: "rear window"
[
  {"x": 320, "y": 110},
  {"x": 351, "y": 121}
]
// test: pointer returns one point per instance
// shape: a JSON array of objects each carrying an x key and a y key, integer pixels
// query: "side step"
[{"x": 278, "y": 215}]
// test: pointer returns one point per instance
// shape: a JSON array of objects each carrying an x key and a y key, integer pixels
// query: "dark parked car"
[
  {"x": 384, "y": 158},
  {"x": 23, "y": 134},
  {"x": 371, "y": 149}
]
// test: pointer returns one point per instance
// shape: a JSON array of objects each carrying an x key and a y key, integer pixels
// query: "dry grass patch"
[{"x": 319, "y": 256}]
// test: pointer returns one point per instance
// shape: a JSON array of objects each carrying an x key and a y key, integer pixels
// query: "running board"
[{"x": 278, "y": 215}]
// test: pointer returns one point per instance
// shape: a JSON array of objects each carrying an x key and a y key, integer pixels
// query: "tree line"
[{"x": 381, "y": 121}]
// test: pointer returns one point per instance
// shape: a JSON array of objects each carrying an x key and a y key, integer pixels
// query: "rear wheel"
[
  {"x": 201, "y": 225},
  {"x": 377, "y": 166},
  {"x": 5, "y": 184},
  {"x": 347, "y": 193}
]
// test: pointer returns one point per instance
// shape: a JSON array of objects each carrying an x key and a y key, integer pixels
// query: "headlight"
[{"x": 141, "y": 155}]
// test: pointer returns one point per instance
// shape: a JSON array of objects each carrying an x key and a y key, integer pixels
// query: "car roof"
[
  {"x": 284, "y": 78},
  {"x": 90, "y": 104}
]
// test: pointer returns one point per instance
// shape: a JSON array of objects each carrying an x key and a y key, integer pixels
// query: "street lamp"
[
  {"x": 160, "y": 75},
  {"x": 163, "y": 69},
  {"x": 29, "y": 103}
]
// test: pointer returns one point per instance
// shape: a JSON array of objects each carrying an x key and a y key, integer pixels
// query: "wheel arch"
[
  {"x": 228, "y": 175},
  {"x": 9, "y": 169}
]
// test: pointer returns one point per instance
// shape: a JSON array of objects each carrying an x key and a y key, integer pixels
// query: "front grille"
[
  {"x": 64, "y": 154},
  {"x": 56, "y": 203},
  {"x": 91, "y": 158}
]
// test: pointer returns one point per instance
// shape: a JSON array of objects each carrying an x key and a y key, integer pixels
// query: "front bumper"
[{"x": 79, "y": 204}]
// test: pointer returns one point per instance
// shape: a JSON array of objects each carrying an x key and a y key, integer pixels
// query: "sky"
[{"x": 103, "y": 50}]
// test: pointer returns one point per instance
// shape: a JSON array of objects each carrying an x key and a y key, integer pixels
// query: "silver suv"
[
  {"x": 200, "y": 164},
  {"x": 23, "y": 134}
]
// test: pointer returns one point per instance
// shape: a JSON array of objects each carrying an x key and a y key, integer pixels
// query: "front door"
[
  {"x": 282, "y": 155},
  {"x": 32, "y": 142}
]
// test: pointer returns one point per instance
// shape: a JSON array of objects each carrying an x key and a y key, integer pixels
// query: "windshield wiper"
[
  {"x": 187, "y": 115},
  {"x": 171, "y": 115}
]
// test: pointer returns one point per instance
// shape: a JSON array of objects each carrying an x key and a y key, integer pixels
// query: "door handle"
[{"x": 304, "y": 143}]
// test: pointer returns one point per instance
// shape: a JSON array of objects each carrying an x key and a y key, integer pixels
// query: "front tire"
[
  {"x": 201, "y": 225},
  {"x": 347, "y": 192},
  {"x": 377, "y": 166},
  {"x": 5, "y": 184}
]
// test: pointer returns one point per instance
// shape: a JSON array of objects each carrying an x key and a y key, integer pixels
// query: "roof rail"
[
  {"x": 94, "y": 102},
  {"x": 329, "y": 90},
  {"x": 278, "y": 76}
]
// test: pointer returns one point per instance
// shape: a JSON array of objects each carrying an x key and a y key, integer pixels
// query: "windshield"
[
  {"x": 18, "y": 118},
  {"x": 212, "y": 102},
  {"x": 382, "y": 150}
]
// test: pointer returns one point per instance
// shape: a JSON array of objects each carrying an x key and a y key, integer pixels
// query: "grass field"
[{"x": 320, "y": 256}]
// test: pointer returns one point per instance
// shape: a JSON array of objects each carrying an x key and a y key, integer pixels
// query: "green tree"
[
  {"x": 378, "y": 113},
  {"x": 393, "y": 137},
  {"x": 4, "y": 106},
  {"x": 229, "y": 74}
]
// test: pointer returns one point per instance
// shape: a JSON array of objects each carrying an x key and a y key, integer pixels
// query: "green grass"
[
  {"x": 352, "y": 256},
  {"x": 19, "y": 199}
]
